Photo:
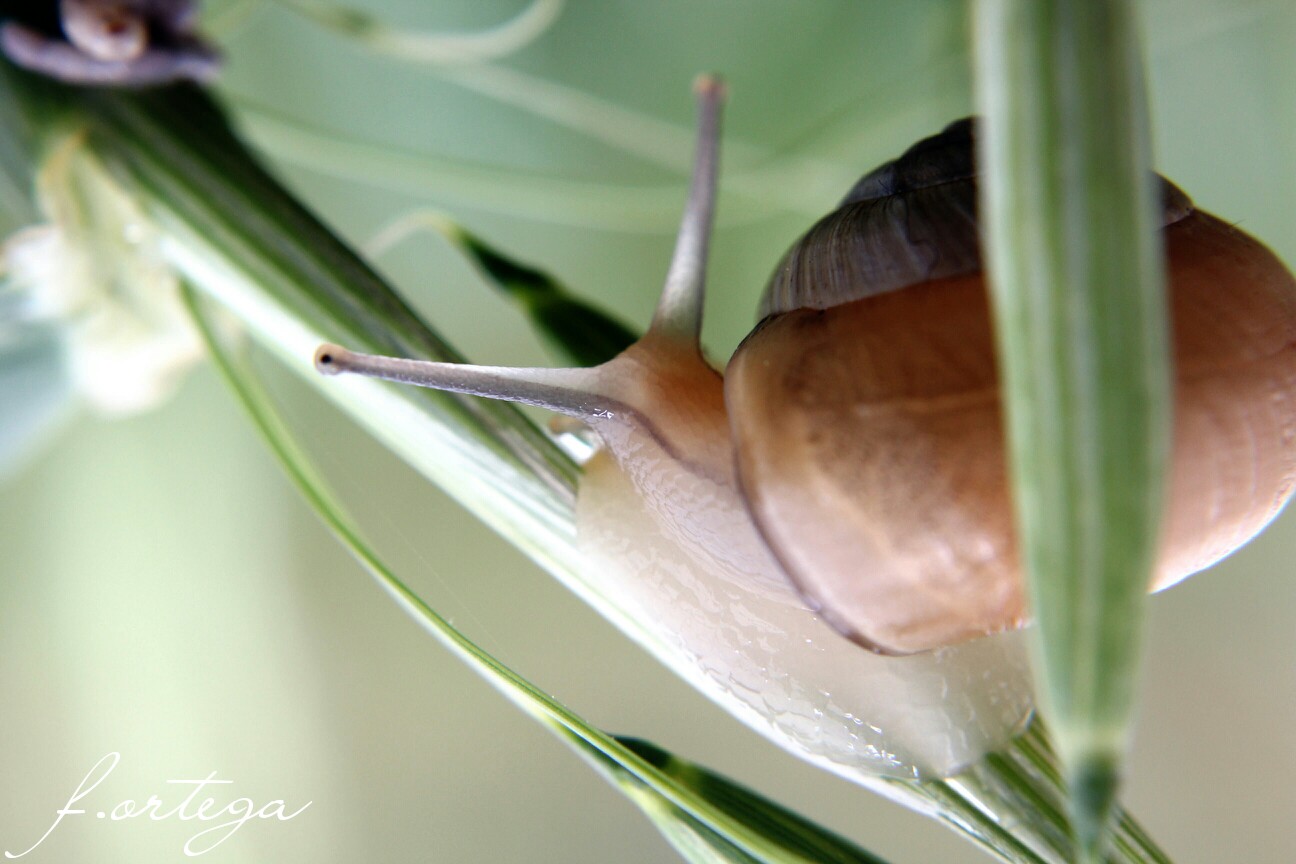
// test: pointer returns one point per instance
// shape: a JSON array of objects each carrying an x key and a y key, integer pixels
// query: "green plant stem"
[
  {"x": 1069, "y": 207},
  {"x": 987, "y": 801}
]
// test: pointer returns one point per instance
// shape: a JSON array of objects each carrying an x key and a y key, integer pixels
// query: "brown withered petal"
[{"x": 134, "y": 43}]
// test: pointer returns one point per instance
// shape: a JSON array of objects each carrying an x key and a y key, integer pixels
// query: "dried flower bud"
[{"x": 136, "y": 43}]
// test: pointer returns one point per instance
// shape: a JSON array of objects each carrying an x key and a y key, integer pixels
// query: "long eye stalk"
[
  {"x": 569, "y": 391},
  {"x": 679, "y": 311}
]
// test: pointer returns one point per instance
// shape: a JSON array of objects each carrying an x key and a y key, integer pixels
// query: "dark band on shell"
[{"x": 911, "y": 220}]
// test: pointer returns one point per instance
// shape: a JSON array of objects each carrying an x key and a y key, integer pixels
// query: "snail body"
[
  {"x": 664, "y": 531},
  {"x": 846, "y": 476}
]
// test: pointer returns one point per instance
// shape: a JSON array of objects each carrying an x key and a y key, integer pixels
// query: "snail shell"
[{"x": 866, "y": 416}]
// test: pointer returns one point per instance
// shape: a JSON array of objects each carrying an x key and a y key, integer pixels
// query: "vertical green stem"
[
  {"x": 1078, "y": 292},
  {"x": 990, "y": 801}
]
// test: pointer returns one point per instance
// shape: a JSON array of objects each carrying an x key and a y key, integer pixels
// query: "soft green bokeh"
[{"x": 163, "y": 594}]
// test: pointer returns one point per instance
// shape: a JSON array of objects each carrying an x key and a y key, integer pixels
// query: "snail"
[{"x": 844, "y": 485}]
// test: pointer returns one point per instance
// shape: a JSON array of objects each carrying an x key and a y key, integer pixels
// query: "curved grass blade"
[
  {"x": 577, "y": 332},
  {"x": 655, "y": 141},
  {"x": 601, "y": 206},
  {"x": 435, "y": 47},
  {"x": 1080, "y": 315},
  {"x": 793, "y": 830},
  {"x": 610, "y": 207},
  {"x": 717, "y": 815}
]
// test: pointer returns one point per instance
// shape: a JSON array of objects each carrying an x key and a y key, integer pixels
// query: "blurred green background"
[{"x": 163, "y": 593}]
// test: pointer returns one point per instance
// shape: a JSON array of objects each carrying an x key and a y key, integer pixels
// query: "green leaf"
[
  {"x": 578, "y": 333},
  {"x": 1080, "y": 313},
  {"x": 432, "y": 47},
  {"x": 781, "y": 825},
  {"x": 574, "y": 330}
]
